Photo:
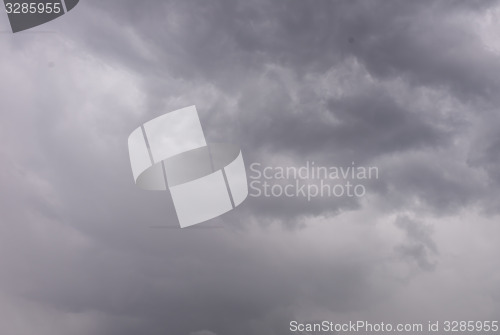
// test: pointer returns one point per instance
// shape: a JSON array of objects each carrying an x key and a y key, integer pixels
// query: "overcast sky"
[{"x": 411, "y": 87}]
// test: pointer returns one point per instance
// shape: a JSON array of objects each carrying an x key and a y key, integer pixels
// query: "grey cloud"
[
  {"x": 282, "y": 111},
  {"x": 203, "y": 332},
  {"x": 420, "y": 246},
  {"x": 328, "y": 81}
]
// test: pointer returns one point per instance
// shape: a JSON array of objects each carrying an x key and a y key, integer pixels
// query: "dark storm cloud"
[
  {"x": 264, "y": 62},
  {"x": 330, "y": 81},
  {"x": 80, "y": 244},
  {"x": 355, "y": 127}
]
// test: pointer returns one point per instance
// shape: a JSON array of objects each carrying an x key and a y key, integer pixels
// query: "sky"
[{"x": 410, "y": 87}]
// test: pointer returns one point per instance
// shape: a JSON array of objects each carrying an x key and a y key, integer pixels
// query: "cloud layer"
[{"x": 409, "y": 87}]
